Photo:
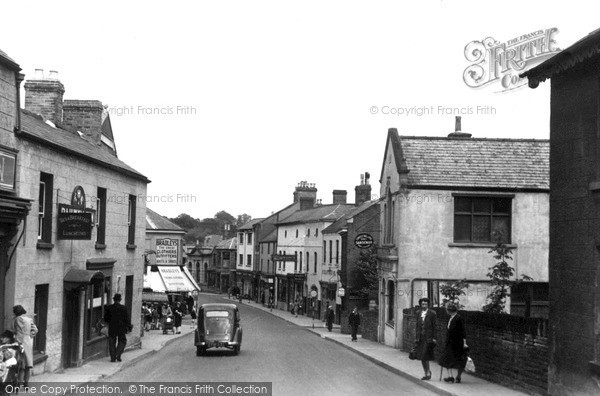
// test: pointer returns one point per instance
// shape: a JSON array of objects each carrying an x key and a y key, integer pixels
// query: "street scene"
[{"x": 292, "y": 199}]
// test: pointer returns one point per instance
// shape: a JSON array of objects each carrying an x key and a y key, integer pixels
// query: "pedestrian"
[
  {"x": 24, "y": 330},
  {"x": 118, "y": 325},
  {"x": 354, "y": 322},
  {"x": 454, "y": 355},
  {"x": 329, "y": 316},
  {"x": 177, "y": 316},
  {"x": 426, "y": 336},
  {"x": 190, "y": 304}
]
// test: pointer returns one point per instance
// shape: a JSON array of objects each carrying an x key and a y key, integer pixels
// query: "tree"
[
  {"x": 452, "y": 292},
  {"x": 366, "y": 273},
  {"x": 500, "y": 276},
  {"x": 185, "y": 221},
  {"x": 242, "y": 219}
]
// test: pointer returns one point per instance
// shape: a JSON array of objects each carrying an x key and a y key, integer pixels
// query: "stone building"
[
  {"x": 82, "y": 240},
  {"x": 444, "y": 201},
  {"x": 574, "y": 216}
]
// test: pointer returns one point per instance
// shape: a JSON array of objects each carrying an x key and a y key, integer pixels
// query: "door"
[{"x": 71, "y": 319}]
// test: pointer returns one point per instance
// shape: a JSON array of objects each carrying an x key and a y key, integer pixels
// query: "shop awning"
[
  {"x": 77, "y": 277},
  {"x": 191, "y": 278},
  {"x": 170, "y": 278}
]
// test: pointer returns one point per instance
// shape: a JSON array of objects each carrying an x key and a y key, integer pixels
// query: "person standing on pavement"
[
  {"x": 24, "y": 330},
  {"x": 329, "y": 316},
  {"x": 354, "y": 322},
  {"x": 454, "y": 356},
  {"x": 177, "y": 316},
  {"x": 118, "y": 325},
  {"x": 426, "y": 336}
]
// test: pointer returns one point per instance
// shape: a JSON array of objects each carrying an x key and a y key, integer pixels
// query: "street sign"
[{"x": 363, "y": 241}]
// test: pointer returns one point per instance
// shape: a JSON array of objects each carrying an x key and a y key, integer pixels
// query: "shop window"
[
  {"x": 482, "y": 219},
  {"x": 100, "y": 218},
  {"x": 40, "y": 311},
  {"x": 45, "y": 208},
  {"x": 96, "y": 301},
  {"x": 131, "y": 222}
]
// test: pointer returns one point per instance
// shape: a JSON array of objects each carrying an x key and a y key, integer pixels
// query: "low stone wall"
[{"x": 509, "y": 350}]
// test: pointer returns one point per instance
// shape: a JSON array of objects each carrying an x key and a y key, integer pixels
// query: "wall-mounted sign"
[
  {"x": 74, "y": 226},
  {"x": 363, "y": 241},
  {"x": 283, "y": 257},
  {"x": 8, "y": 166},
  {"x": 167, "y": 251},
  {"x": 78, "y": 198}
]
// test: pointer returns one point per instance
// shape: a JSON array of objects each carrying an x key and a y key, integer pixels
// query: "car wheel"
[
  {"x": 236, "y": 349},
  {"x": 200, "y": 351}
]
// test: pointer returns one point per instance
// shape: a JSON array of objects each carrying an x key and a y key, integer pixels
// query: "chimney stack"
[
  {"x": 85, "y": 116},
  {"x": 44, "y": 96},
  {"x": 457, "y": 130},
  {"x": 339, "y": 197},
  {"x": 362, "y": 193},
  {"x": 306, "y": 194}
]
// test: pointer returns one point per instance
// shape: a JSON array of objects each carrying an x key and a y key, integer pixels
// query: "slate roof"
[
  {"x": 318, "y": 213},
  {"x": 342, "y": 221},
  {"x": 270, "y": 237},
  {"x": 585, "y": 48},
  {"x": 476, "y": 163},
  {"x": 34, "y": 128},
  {"x": 154, "y": 221},
  {"x": 212, "y": 240},
  {"x": 250, "y": 224},
  {"x": 8, "y": 61},
  {"x": 229, "y": 244}
]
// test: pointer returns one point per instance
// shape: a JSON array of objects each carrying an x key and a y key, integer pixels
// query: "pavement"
[{"x": 387, "y": 357}]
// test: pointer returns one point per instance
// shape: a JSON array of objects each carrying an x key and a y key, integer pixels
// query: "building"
[
  {"x": 574, "y": 266},
  {"x": 224, "y": 264},
  {"x": 444, "y": 202},
  {"x": 303, "y": 255},
  {"x": 247, "y": 252},
  {"x": 82, "y": 240}
]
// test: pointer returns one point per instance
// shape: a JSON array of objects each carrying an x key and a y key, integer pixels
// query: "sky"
[{"x": 228, "y": 105}]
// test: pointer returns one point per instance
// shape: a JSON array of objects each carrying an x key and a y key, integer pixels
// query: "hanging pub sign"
[
  {"x": 75, "y": 220},
  {"x": 363, "y": 241},
  {"x": 167, "y": 250}
]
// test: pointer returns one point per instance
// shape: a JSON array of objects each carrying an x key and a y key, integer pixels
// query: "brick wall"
[{"x": 506, "y": 349}]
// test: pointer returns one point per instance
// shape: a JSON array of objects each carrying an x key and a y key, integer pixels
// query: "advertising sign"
[
  {"x": 363, "y": 241},
  {"x": 167, "y": 251},
  {"x": 74, "y": 226}
]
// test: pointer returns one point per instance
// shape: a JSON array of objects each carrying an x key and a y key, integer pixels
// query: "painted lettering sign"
[{"x": 167, "y": 251}]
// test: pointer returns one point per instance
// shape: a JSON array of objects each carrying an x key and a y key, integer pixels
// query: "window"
[
  {"x": 285, "y": 234},
  {"x": 315, "y": 264},
  {"x": 296, "y": 233},
  {"x": 300, "y": 265},
  {"x": 391, "y": 295},
  {"x": 324, "y": 250},
  {"x": 316, "y": 232},
  {"x": 330, "y": 252},
  {"x": 101, "y": 216},
  {"x": 308, "y": 232},
  {"x": 295, "y": 261},
  {"x": 241, "y": 238},
  {"x": 131, "y": 222},
  {"x": 249, "y": 238},
  {"x": 307, "y": 261},
  {"x": 40, "y": 311},
  {"x": 45, "y": 208},
  {"x": 249, "y": 263},
  {"x": 337, "y": 251},
  {"x": 482, "y": 219},
  {"x": 241, "y": 259}
]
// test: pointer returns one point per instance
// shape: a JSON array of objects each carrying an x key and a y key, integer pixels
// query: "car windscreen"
[{"x": 217, "y": 322}]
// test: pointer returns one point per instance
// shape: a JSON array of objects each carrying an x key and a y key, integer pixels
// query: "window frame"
[{"x": 473, "y": 213}]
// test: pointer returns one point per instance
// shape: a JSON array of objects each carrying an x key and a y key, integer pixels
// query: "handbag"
[
  {"x": 470, "y": 367},
  {"x": 412, "y": 355}
]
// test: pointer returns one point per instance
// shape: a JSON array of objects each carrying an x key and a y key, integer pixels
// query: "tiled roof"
[
  {"x": 508, "y": 164},
  {"x": 212, "y": 240},
  {"x": 33, "y": 128},
  {"x": 229, "y": 244},
  {"x": 342, "y": 221},
  {"x": 7, "y": 60},
  {"x": 154, "y": 221},
  {"x": 319, "y": 213},
  {"x": 585, "y": 48},
  {"x": 250, "y": 224}
]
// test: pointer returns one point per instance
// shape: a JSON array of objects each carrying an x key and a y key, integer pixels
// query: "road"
[{"x": 295, "y": 360}]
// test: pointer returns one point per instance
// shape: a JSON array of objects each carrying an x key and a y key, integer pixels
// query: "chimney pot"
[
  {"x": 53, "y": 75},
  {"x": 39, "y": 74},
  {"x": 457, "y": 130}
]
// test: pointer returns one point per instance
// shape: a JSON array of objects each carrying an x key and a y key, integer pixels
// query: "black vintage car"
[{"x": 218, "y": 327}]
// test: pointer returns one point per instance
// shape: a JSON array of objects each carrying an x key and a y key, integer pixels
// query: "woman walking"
[
  {"x": 454, "y": 356},
  {"x": 426, "y": 335},
  {"x": 24, "y": 330},
  {"x": 177, "y": 316}
]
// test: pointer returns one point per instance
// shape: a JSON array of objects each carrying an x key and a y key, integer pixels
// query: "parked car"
[{"x": 218, "y": 327}]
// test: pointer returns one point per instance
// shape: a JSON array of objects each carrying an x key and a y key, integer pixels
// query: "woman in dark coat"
[
  {"x": 454, "y": 356},
  {"x": 177, "y": 316},
  {"x": 426, "y": 336}
]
